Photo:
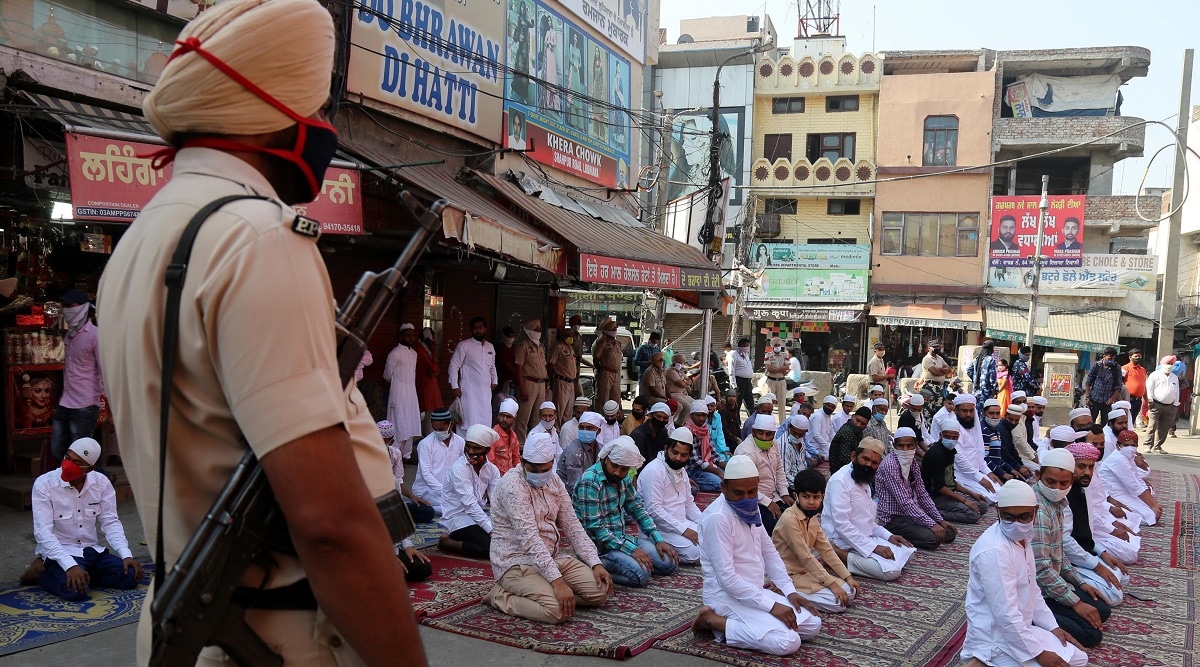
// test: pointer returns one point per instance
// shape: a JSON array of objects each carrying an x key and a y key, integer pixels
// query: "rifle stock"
[{"x": 196, "y": 606}]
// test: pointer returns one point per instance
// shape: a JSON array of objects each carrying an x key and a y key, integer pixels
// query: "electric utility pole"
[
  {"x": 1043, "y": 206},
  {"x": 1170, "y": 286}
]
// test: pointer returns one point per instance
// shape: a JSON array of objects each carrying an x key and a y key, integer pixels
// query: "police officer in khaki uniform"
[
  {"x": 532, "y": 377},
  {"x": 563, "y": 369},
  {"x": 256, "y": 355},
  {"x": 778, "y": 366},
  {"x": 607, "y": 357}
]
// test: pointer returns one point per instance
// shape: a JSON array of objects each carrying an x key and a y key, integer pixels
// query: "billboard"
[
  {"x": 810, "y": 272},
  {"x": 1013, "y": 238},
  {"x": 1135, "y": 273},
  {"x": 437, "y": 59},
  {"x": 110, "y": 179},
  {"x": 691, "y": 132},
  {"x": 622, "y": 21},
  {"x": 567, "y": 97}
]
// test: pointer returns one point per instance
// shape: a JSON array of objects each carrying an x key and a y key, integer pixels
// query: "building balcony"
[
  {"x": 1117, "y": 212},
  {"x": 825, "y": 75},
  {"x": 820, "y": 179},
  {"x": 1031, "y": 135}
]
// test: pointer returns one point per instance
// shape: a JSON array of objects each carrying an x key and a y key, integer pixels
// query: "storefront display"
[{"x": 830, "y": 347}]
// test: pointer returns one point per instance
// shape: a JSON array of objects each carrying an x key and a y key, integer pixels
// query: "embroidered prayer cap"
[
  {"x": 583, "y": 402},
  {"x": 593, "y": 418},
  {"x": 1077, "y": 413},
  {"x": 484, "y": 436},
  {"x": 765, "y": 423},
  {"x": 1084, "y": 451},
  {"x": 873, "y": 445},
  {"x": 87, "y": 449},
  {"x": 963, "y": 399},
  {"x": 1058, "y": 458},
  {"x": 799, "y": 421},
  {"x": 1016, "y": 408},
  {"x": 509, "y": 407},
  {"x": 904, "y": 432},
  {"x": 699, "y": 407},
  {"x": 1016, "y": 493},
  {"x": 661, "y": 408},
  {"x": 1064, "y": 433},
  {"x": 622, "y": 451},
  {"x": 740, "y": 466},
  {"x": 386, "y": 430},
  {"x": 879, "y": 402},
  {"x": 1127, "y": 437},
  {"x": 611, "y": 408}
]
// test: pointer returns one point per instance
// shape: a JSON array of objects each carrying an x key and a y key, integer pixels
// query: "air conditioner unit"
[{"x": 768, "y": 226}]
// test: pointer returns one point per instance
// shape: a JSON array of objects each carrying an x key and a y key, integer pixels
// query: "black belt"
[
  {"x": 562, "y": 378},
  {"x": 296, "y": 596},
  {"x": 781, "y": 377}
]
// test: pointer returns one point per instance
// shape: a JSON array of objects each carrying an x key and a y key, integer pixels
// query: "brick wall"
[
  {"x": 1103, "y": 210},
  {"x": 815, "y": 120},
  {"x": 812, "y": 221},
  {"x": 1069, "y": 130}
]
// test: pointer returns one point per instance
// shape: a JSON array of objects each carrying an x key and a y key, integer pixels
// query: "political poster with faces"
[{"x": 1013, "y": 238}]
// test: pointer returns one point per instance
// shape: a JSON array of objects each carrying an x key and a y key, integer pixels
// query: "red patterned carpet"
[{"x": 456, "y": 583}]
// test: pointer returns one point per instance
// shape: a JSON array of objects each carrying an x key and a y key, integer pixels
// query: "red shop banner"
[
  {"x": 551, "y": 148},
  {"x": 611, "y": 271},
  {"x": 1013, "y": 237},
  {"x": 113, "y": 180}
]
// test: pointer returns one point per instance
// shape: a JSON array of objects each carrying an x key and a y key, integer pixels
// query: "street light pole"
[
  {"x": 708, "y": 233},
  {"x": 1043, "y": 206}
]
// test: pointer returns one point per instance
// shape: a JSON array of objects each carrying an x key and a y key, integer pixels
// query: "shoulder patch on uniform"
[{"x": 305, "y": 226}]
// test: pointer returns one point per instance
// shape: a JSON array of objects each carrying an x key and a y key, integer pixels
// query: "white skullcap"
[
  {"x": 964, "y": 398},
  {"x": 765, "y": 423},
  {"x": 1017, "y": 408},
  {"x": 830, "y": 399},
  {"x": 1017, "y": 394},
  {"x": 1124, "y": 405},
  {"x": 484, "y": 436},
  {"x": 87, "y": 449},
  {"x": 949, "y": 423},
  {"x": 548, "y": 405},
  {"x": 539, "y": 448},
  {"x": 1039, "y": 400},
  {"x": 611, "y": 407},
  {"x": 509, "y": 407},
  {"x": 877, "y": 387},
  {"x": 1063, "y": 433},
  {"x": 740, "y": 466},
  {"x": 849, "y": 398},
  {"x": 699, "y": 408},
  {"x": 916, "y": 400},
  {"x": 583, "y": 401},
  {"x": 292, "y": 61},
  {"x": 623, "y": 451},
  {"x": 1016, "y": 493},
  {"x": 661, "y": 408},
  {"x": 879, "y": 401},
  {"x": 406, "y": 326},
  {"x": 1116, "y": 414},
  {"x": 799, "y": 421},
  {"x": 594, "y": 418},
  {"x": 904, "y": 432},
  {"x": 1058, "y": 458},
  {"x": 682, "y": 435},
  {"x": 873, "y": 445},
  {"x": 709, "y": 400},
  {"x": 991, "y": 402},
  {"x": 1077, "y": 413},
  {"x": 766, "y": 398}
]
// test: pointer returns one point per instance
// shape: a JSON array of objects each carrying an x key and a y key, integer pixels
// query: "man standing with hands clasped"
[
  {"x": 256, "y": 364},
  {"x": 472, "y": 375}
]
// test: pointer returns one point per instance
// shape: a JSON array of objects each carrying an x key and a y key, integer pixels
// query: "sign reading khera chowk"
[{"x": 1013, "y": 238}]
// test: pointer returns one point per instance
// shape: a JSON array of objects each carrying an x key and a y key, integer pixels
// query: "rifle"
[{"x": 199, "y": 602}]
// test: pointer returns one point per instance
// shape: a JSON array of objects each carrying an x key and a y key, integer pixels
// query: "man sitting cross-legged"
[
  {"x": 811, "y": 561},
  {"x": 469, "y": 484},
  {"x": 736, "y": 555},
  {"x": 667, "y": 494},
  {"x": 905, "y": 507}
]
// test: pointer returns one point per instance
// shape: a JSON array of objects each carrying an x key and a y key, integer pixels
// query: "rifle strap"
[{"x": 175, "y": 276}]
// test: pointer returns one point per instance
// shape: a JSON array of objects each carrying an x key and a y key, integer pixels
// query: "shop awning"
[
  {"x": 1089, "y": 332},
  {"x": 612, "y": 248},
  {"x": 933, "y": 315},
  {"x": 841, "y": 312},
  {"x": 470, "y": 217},
  {"x": 91, "y": 119}
]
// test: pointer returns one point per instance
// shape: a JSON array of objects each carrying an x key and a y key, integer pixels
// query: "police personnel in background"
[{"x": 256, "y": 357}]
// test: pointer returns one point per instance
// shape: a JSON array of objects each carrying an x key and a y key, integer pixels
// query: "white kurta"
[
  {"x": 736, "y": 558},
  {"x": 970, "y": 465},
  {"x": 608, "y": 433},
  {"x": 473, "y": 371},
  {"x": 667, "y": 495},
  {"x": 1110, "y": 442},
  {"x": 434, "y": 459},
  {"x": 403, "y": 410},
  {"x": 849, "y": 522},
  {"x": 465, "y": 492},
  {"x": 1120, "y": 477},
  {"x": 1008, "y": 622},
  {"x": 935, "y": 433},
  {"x": 821, "y": 431},
  {"x": 1088, "y": 563},
  {"x": 839, "y": 417},
  {"x": 1102, "y": 521}
]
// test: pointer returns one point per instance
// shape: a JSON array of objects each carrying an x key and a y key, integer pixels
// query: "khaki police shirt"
[
  {"x": 531, "y": 359},
  {"x": 256, "y": 348},
  {"x": 562, "y": 361}
]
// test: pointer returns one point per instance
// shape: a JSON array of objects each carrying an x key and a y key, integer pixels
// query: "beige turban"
[{"x": 283, "y": 46}]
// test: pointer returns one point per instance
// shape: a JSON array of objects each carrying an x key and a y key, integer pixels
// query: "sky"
[{"x": 1166, "y": 27}]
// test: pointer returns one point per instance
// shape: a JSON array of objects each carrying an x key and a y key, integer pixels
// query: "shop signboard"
[
  {"x": 1051, "y": 341},
  {"x": 567, "y": 99},
  {"x": 773, "y": 312},
  {"x": 810, "y": 272},
  {"x": 338, "y": 207},
  {"x": 601, "y": 270},
  {"x": 439, "y": 59},
  {"x": 1134, "y": 273},
  {"x": 1013, "y": 237},
  {"x": 110, "y": 179},
  {"x": 622, "y": 21}
]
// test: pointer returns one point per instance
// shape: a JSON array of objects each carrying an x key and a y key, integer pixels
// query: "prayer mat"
[
  {"x": 629, "y": 622},
  {"x": 919, "y": 620},
  {"x": 31, "y": 617},
  {"x": 704, "y": 499},
  {"x": 456, "y": 583},
  {"x": 427, "y": 534},
  {"x": 1185, "y": 549}
]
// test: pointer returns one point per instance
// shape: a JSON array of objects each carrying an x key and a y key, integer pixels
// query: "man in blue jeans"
[
  {"x": 79, "y": 406},
  {"x": 68, "y": 502},
  {"x": 601, "y": 498}
]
